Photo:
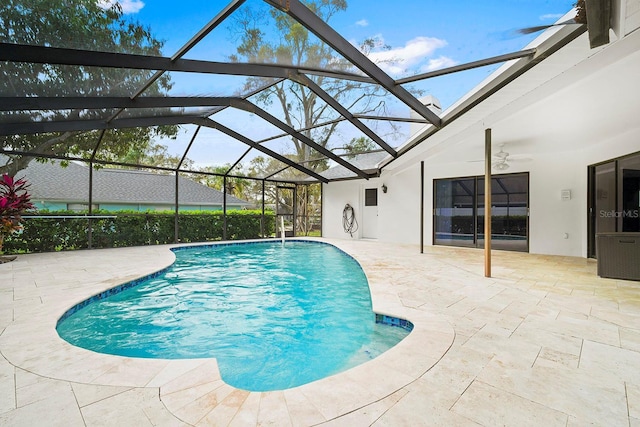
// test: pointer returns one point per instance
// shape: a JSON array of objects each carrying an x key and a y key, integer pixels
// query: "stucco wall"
[
  {"x": 399, "y": 208},
  {"x": 557, "y": 227},
  {"x": 566, "y": 124},
  {"x": 334, "y": 198}
]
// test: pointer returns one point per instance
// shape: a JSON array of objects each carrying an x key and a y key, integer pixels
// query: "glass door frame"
[{"x": 476, "y": 242}]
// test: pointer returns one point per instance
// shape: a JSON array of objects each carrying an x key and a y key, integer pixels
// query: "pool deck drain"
[{"x": 544, "y": 342}]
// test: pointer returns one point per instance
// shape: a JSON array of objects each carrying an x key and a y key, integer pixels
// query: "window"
[
  {"x": 371, "y": 197},
  {"x": 458, "y": 218}
]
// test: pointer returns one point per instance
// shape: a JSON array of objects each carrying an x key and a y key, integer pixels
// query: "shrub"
[
  {"x": 14, "y": 202},
  {"x": 65, "y": 230}
]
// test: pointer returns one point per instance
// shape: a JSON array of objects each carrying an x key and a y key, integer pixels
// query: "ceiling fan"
[{"x": 502, "y": 159}]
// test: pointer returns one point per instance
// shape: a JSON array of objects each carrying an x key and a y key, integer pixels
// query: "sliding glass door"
[
  {"x": 459, "y": 212},
  {"x": 614, "y": 198},
  {"x": 455, "y": 212},
  {"x": 629, "y": 193}
]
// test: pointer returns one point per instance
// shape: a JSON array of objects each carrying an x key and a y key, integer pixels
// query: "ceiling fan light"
[{"x": 501, "y": 166}]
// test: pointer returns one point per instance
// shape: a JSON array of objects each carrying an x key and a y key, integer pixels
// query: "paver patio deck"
[{"x": 545, "y": 342}]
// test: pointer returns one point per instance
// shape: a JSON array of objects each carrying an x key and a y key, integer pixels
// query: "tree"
[
  {"x": 294, "y": 45},
  {"x": 358, "y": 146},
  {"x": 234, "y": 186},
  {"x": 307, "y": 202},
  {"x": 152, "y": 154},
  {"x": 74, "y": 24}
]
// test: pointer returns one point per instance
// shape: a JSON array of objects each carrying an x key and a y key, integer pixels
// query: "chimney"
[{"x": 432, "y": 103}]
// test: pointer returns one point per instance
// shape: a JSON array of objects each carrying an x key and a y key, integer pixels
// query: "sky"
[{"x": 419, "y": 35}]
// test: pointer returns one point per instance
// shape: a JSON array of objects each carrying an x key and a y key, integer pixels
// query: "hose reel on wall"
[{"x": 349, "y": 223}]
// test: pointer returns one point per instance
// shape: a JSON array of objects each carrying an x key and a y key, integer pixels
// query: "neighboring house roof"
[
  {"x": 51, "y": 181},
  {"x": 367, "y": 162}
]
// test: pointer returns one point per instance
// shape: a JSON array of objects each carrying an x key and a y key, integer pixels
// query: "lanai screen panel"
[{"x": 234, "y": 50}]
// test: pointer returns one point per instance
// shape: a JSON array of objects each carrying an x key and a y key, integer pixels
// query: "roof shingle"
[{"x": 51, "y": 181}]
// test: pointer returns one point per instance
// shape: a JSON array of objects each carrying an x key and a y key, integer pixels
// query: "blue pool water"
[{"x": 274, "y": 316}]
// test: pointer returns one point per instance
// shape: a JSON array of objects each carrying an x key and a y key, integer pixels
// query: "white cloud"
[
  {"x": 362, "y": 23},
  {"x": 437, "y": 64},
  {"x": 400, "y": 59},
  {"x": 128, "y": 6},
  {"x": 551, "y": 16}
]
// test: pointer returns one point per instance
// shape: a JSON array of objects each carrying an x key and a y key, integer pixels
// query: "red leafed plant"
[{"x": 14, "y": 201}]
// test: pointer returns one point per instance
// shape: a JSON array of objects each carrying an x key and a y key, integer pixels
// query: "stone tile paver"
[{"x": 543, "y": 342}]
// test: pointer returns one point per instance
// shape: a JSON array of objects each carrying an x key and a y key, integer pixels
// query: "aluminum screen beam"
[
  {"x": 80, "y": 102},
  {"x": 469, "y": 65},
  {"x": 79, "y": 57},
  {"x": 88, "y": 125},
  {"x": 543, "y": 51},
  {"x": 333, "y": 103},
  {"x": 217, "y": 20},
  {"x": 34, "y": 103},
  {"x": 30, "y": 103},
  {"x": 391, "y": 119},
  {"x": 252, "y": 108},
  {"x": 235, "y": 135},
  {"x": 186, "y": 151},
  {"x": 247, "y": 95},
  {"x": 313, "y": 23},
  {"x": 319, "y": 125}
]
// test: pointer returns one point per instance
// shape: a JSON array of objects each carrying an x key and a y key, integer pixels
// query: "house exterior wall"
[
  {"x": 581, "y": 117},
  {"x": 334, "y": 198},
  {"x": 399, "y": 208},
  {"x": 556, "y": 226}
]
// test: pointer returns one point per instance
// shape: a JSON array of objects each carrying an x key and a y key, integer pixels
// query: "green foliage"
[
  {"x": 234, "y": 185},
  {"x": 358, "y": 146},
  {"x": 76, "y": 24},
  {"x": 152, "y": 154},
  {"x": 129, "y": 228}
]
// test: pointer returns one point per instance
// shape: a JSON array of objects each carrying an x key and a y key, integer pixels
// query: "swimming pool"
[{"x": 273, "y": 316}]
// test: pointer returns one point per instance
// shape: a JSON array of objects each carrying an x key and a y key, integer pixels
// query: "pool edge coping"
[{"x": 136, "y": 372}]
